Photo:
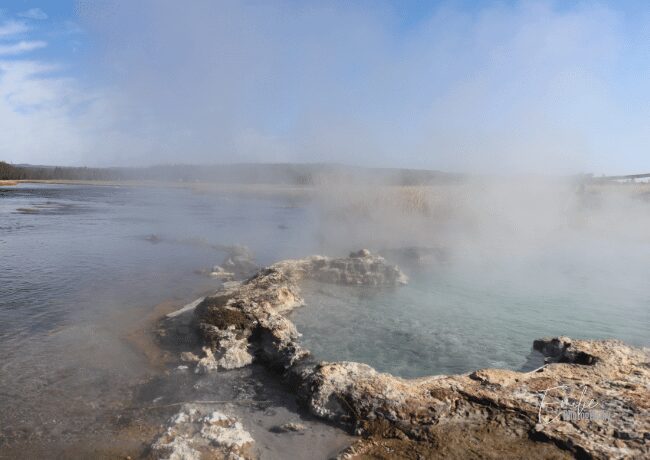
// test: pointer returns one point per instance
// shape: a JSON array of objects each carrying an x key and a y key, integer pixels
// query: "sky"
[{"x": 550, "y": 87}]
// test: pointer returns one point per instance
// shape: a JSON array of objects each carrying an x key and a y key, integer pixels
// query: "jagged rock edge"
[{"x": 370, "y": 403}]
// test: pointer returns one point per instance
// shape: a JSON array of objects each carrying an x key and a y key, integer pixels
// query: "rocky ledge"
[
  {"x": 246, "y": 319},
  {"x": 590, "y": 400}
]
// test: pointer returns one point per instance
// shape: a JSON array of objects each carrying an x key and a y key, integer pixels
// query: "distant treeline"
[
  {"x": 27, "y": 172},
  {"x": 287, "y": 173}
]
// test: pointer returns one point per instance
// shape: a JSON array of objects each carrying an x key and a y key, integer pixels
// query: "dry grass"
[
  {"x": 5, "y": 183},
  {"x": 638, "y": 188},
  {"x": 391, "y": 201}
]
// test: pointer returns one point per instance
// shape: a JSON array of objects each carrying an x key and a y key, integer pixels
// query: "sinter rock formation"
[
  {"x": 591, "y": 399},
  {"x": 239, "y": 263},
  {"x": 196, "y": 432}
]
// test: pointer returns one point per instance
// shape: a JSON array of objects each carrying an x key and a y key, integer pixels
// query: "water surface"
[
  {"x": 462, "y": 315},
  {"x": 79, "y": 284}
]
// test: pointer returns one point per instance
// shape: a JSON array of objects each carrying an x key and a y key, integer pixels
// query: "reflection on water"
[{"x": 77, "y": 278}]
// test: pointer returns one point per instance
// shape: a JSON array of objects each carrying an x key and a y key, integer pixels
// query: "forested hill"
[
  {"x": 27, "y": 172},
  {"x": 276, "y": 173}
]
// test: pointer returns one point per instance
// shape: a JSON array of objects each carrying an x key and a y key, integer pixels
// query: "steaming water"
[
  {"x": 78, "y": 281},
  {"x": 462, "y": 315}
]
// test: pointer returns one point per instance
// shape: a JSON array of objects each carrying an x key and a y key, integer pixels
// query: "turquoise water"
[{"x": 463, "y": 315}]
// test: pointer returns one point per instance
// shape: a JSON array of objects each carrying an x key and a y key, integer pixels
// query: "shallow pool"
[{"x": 461, "y": 315}]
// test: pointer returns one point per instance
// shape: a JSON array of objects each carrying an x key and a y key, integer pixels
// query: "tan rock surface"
[{"x": 592, "y": 399}]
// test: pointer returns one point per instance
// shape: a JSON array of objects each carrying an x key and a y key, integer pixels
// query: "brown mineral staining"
[
  {"x": 221, "y": 316},
  {"x": 490, "y": 413},
  {"x": 488, "y": 441},
  {"x": 616, "y": 384}
]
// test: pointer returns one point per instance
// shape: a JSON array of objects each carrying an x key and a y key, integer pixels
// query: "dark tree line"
[
  {"x": 11, "y": 172},
  {"x": 21, "y": 172},
  {"x": 243, "y": 173}
]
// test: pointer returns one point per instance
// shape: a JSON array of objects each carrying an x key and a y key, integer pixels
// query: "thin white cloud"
[
  {"x": 32, "y": 110},
  {"x": 21, "y": 47},
  {"x": 33, "y": 13},
  {"x": 11, "y": 28},
  {"x": 50, "y": 119}
]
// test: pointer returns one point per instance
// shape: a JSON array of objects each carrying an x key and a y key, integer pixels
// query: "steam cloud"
[
  {"x": 533, "y": 86},
  {"x": 537, "y": 86}
]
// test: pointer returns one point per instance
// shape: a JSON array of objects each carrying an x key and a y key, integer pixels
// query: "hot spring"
[
  {"x": 456, "y": 318},
  {"x": 80, "y": 277}
]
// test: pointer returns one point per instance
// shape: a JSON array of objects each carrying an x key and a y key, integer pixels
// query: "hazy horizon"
[
  {"x": 336, "y": 165},
  {"x": 469, "y": 87}
]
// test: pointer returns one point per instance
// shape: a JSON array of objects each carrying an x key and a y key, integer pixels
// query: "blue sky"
[
  {"x": 51, "y": 21},
  {"x": 532, "y": 86}
]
